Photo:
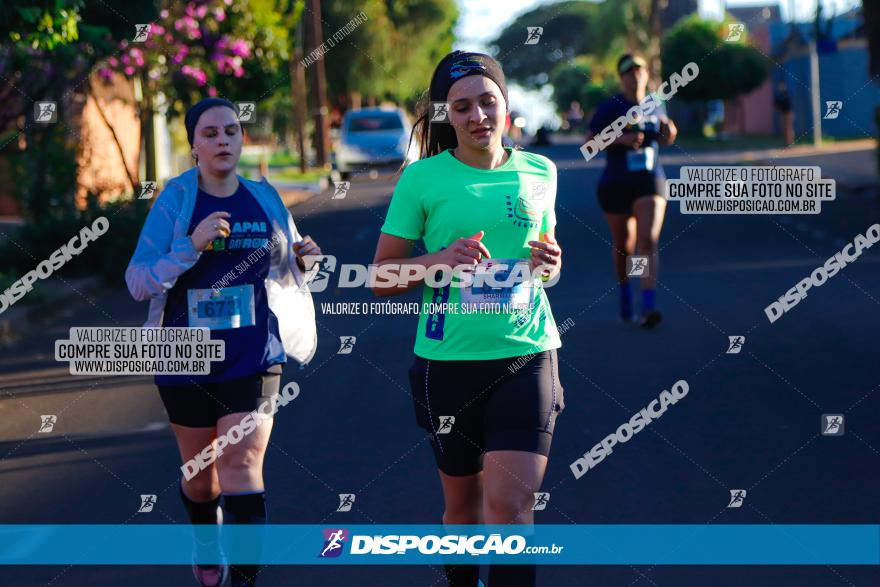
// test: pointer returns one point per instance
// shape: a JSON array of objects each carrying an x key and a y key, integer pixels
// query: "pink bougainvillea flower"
[{"x": 241, "y": 48}]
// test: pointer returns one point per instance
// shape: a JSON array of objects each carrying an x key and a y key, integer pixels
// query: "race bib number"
[
  {"x": 500, "y": 281},
  {"x": 222, "y": 309},
  {"x": 641, "y": 159}
]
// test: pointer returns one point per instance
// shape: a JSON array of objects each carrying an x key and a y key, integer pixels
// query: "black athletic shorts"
[
  {"x": 200, "y": 405},
  {"x": 617, "y": 196},
  {"x": 472, "y": 407}
]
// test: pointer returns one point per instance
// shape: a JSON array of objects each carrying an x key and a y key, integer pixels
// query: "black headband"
[
  {"x": 459, "y": 64},
  {"x": 196, "y": 110}
]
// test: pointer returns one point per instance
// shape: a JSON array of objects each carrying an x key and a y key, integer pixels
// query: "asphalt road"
[{"x": 750, "y": 421}]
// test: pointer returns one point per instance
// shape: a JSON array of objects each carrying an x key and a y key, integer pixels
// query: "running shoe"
[
  {"x": 210, "y": 575},
  {"x": 213, "y": 575},
  {"x": 650, "y": 319}
]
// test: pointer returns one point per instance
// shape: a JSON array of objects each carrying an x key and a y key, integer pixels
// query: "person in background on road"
[
  {"x": 631, "y": 185},
  {"x": 485, "y": 385},
  {"x": 782, "y": 102},
  {"x": 574, "y": 117},
  {"x": 199, "y": 262}
]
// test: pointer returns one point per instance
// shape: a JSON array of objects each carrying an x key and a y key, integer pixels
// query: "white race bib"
[
  {"x": 641, "y": 159},
  {"x": 500, "y": 281},
  {"x": 221, "y": 309}
]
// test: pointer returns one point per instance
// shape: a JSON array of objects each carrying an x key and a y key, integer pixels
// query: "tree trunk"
[
  {"x": 147, "y": 131},
  {"x": 132, "y": 175}
]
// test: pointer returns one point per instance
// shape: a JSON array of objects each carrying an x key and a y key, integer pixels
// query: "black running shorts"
[
  {"x": 617, "y": 197},
  {"x": 200, "y": 405},
  {"x": 469, "y": 408}
]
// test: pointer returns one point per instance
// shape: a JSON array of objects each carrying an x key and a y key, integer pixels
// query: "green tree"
[
  {"x": 569, "y": 31},
  {"x": 40, "y": 25},
  {"x": 392, "y": 54},
  {"x": 49, "y": 48},
  {"x": 581, "y": 80},
  {"x": 727, "y": 69}
]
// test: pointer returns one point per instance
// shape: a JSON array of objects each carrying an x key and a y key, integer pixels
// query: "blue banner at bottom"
[{"x": 574, "y": 544}]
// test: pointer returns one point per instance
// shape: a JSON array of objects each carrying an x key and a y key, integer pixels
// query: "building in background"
[
  {"x": 843, "y": 73},
  {"x": 753, "y": 113}
]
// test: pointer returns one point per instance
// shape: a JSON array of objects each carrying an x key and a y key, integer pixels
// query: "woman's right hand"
[
  {"x": 213, "y": 226},
  {"x": 464, "y": 251}
]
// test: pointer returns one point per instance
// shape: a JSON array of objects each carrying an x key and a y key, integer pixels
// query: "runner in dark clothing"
[{"x": 631, "y": 189}]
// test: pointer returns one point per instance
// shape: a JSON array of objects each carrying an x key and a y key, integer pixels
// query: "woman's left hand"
[
  {"x": 303, "y": 248},
  {"x": 546, "y": 252}
]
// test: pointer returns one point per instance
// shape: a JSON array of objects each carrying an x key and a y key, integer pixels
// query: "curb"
[{"x": 297, "y": 193}]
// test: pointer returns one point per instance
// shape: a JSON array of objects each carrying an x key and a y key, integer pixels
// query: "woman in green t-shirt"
[{"x": 484, "y": 379}]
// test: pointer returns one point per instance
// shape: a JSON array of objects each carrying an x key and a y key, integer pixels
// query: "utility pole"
[
  {"x": 814, "y": 93},
  {"x": 314, "y": 38},
  {"x": 298, "y": 93}
]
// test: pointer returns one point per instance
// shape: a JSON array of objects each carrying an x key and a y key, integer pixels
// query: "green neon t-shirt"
[{"x": 441, "y": 199}]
